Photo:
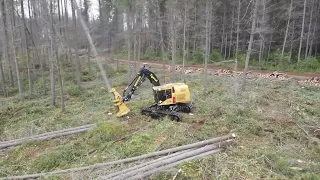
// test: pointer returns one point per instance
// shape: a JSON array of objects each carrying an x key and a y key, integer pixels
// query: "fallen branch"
[
  {"x": 175, "y": 176},
  {"x": 101, "y": 165}
]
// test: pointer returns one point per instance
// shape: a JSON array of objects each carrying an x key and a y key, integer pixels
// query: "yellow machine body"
[{"x": 172, "y": 93}]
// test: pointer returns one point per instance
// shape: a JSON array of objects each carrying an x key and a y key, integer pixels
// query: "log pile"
[
  {"x": 46, "y": 136},
  {"x": 161, "y": 160},
  {"x": 187, "y": 153},
  {"x": 313, "y": 81}
]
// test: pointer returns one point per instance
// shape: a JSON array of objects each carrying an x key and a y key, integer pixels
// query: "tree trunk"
[
  {"x": 292, "y": 38},
  {"x": 134, "y": 49},
  {"x": 50, "y": 56},
  {"x": 100, "y": 13},
  {"x": 302, "y": 30},
  {"x": 75, "y": 46},
  {"x": 55, "y": 49},
  {"x": 309, "y": 30},
  {"x": 173, "y": 36},
  {"x": 262, "y": 33},
  {"x": 139, "y": 48},
  {"x": 184, "y": 36},
  {"x": 35, "y": 41},
  {"x": 11, "y": 48},
  {"x": 207, "y": 49},
  {"x": 6, "y": 41},
  {"x": 3, "y": 81},
  {"x": 238, "y": 31},
  {"x": 253, "y": 29},
  {"x": 129, "y": 40},
  {"x": 42, "y": 74},
  {"x": 312, "y": 40},
  {"x": 25, "y": 43},
  {"x": 231, "y": 33},
  {"x": 223, "y": 27},
  {"x": 287, "y": 30},
  {"x": 314, "y": 37},
  {"x": 225, "y": 47},
  {"x": 161, "y": 38},
  {"x": 269, "y": 49}
]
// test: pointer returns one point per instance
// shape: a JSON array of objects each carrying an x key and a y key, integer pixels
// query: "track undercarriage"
[{"x": 172, "y": 111}]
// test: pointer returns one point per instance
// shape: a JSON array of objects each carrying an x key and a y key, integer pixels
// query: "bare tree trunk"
[
  {"x": 253, "y": 29},
  {"x": 309, "y": 30},
  {"x": 173, "y": 36},
  {"x": 302, "y": 30},
  {"x": 207, "y": 49},
  {"x": 223, "y": 27},
  {"x": 31, "y": 33},
  {"x": 3, "y": 81},
  {"x": 231, "y": 32},
  {"x": 195, "y": 31},
  {"x": 6, "y": 41},
  {"x": 292, "y": 38},
  {"x": 129, "y": 39},
  {"x": 50, "y": 55},
  {"x": 25, "y": 43},
  {"x": 238, "y": 31},
  {"x": 287, "y": 30},
  {"x": 314, "y": 37},
  {"x": 134, "y": 48},
  {"x": 184, "y": 36},
  {"x": 312, "y": 40},
  {"x": 11, "y": 48},
  {"x": 35, "y": 41},
  {"x": 269, "y": 49},
  {"x": 262, "y": 34},
  {"x": 161, "y": 37},
  {"x": 42, "y": 73},
  {"x": 139, "y": 47},
  {"x": 55, "y": 51},
  {"x": 225, "y": 47},
  {"x": 77, "y": 59}
]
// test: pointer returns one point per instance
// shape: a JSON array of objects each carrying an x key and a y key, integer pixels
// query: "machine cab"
[{"x": 171, "y": 94}]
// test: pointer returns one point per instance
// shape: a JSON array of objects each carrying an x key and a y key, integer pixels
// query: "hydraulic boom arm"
[{"x": 138, "y": 80}]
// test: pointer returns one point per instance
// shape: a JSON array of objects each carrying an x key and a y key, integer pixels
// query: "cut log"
[
  {"x": 172, "y": 160},
  {"x": 15, "y": 143},
  {"x": 152, "y": 171},
  {"x": 101, "y": 165},
  {"x": 46, "y": 134},
  {"x": 143, "y": 165}
]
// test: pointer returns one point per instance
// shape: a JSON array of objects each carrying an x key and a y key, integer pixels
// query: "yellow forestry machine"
[{"x": 169, "y": 98}]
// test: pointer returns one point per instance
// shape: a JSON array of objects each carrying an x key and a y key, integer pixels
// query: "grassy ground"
[{"x": 275, "y": 122}]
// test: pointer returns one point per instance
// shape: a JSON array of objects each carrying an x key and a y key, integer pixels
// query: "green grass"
[{"x": 270, "y": 143}]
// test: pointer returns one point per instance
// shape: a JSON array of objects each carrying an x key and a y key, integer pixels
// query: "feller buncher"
[{"x": 170, "y": 99}]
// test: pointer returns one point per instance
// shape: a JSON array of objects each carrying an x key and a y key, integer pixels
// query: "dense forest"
[{"x": 42, "y": 35}]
